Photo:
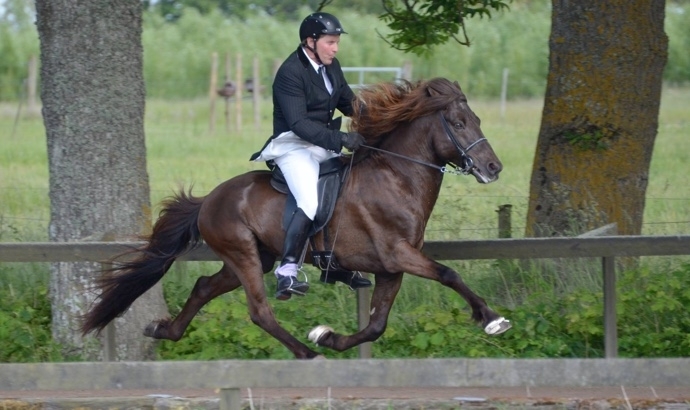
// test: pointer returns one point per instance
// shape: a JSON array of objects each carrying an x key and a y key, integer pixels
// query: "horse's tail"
[{"x": 174, "y": 233}]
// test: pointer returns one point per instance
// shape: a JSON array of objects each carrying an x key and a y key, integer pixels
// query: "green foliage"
[
  {"x": 419, "y": 27},
  {"x": 25, "y": 334},
  {"x": 223, "y": 329},
  {"x": 653, "y": 308},
  {"x": 177, "y": 56}
]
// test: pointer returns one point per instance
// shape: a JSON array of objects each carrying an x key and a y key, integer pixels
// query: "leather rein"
[{"x": 468, "y": 162}]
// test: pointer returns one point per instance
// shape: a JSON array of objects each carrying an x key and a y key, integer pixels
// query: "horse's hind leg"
[
  {"x": 385, "y": 291},
  {"x": 262, "y": 315},
  {"x": 205, "y": 289}
]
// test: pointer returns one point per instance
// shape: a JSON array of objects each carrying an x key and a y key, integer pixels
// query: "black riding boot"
[
  {"x": 296, "y": 236},
  {"x": 354, "y": 280}
]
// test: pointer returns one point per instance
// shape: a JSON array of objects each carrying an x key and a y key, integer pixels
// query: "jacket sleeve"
[{"x": 290, "y": 93}]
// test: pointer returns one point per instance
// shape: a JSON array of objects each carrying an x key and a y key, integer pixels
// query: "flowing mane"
[{"x": 380, "y": 108}]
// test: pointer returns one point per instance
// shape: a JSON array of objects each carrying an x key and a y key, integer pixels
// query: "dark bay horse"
[{"x": 414, "y": 134}]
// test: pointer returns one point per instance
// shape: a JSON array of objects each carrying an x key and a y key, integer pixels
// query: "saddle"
[{"x": 332, "y": 175}]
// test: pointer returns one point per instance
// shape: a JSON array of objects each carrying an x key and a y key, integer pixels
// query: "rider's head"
[{"x": 324, "y": 27}]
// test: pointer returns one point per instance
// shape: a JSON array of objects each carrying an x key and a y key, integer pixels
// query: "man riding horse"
[{"x": 309, "y": 86}]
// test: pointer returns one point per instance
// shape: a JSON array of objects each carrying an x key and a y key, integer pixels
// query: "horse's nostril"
[{"x": 495, "y": 167}]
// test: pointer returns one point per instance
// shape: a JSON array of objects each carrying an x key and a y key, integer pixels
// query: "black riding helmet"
[{"x": 316, "y": 25}]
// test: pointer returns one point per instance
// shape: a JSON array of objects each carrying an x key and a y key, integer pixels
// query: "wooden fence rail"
[{"x": 586, "y": 246}]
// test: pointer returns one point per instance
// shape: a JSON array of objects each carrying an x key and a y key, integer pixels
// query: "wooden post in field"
[
  {"x": 363, "y": 309},
  {"x": 227, "y": 99},
  {"x": 256, "y": 94},
  {"x": 407, "y": 71},
  {"x": 31, "y": 86},
  {"x": 212, "y": 92},
  {"x": 238, "y": 93},
  {"x": 505, "y": 229},
  {"x": 608, "y": 264},
  {"x": 504, "y": 92}
]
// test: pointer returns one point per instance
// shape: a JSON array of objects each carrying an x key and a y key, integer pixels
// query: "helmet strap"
[{"x": 313, "y": 50}]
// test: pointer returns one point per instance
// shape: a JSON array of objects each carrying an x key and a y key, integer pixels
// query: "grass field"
[{"x": 182, "y": 151}]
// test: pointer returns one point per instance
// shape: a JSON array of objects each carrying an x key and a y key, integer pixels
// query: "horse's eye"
[{"x": 459, "y": 125}]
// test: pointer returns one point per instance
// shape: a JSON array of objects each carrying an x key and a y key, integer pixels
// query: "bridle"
[{"x": 467, "y": 161}]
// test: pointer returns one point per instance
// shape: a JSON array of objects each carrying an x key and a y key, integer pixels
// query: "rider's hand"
[{"x": 352, "y": 140}]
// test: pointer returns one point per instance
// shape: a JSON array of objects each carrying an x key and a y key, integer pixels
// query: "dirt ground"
[{"x": 542, "y": 398}]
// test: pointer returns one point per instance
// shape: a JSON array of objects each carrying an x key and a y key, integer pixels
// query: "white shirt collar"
[{"x": 314, "y": 64}]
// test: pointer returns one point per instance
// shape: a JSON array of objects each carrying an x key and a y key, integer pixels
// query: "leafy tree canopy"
[{"x": 419, "y": 25}]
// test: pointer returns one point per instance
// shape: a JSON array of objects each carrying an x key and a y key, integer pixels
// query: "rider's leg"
[
  {"x": 301, "y": 171},
  {"x": 296, "y": 236}
]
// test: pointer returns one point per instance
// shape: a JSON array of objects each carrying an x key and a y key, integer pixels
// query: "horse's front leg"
[
  {"x": 205, "y": 289},
  {"x": 385, "y": 291},
  {"x": 409, "y": 259}
]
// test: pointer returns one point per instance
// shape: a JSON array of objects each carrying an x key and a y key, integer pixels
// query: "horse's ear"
[{"x": 431, "y": 91}]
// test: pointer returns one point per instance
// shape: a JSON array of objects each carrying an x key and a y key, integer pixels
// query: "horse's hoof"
[
  {"x": 318, "y": 333},
  {"x": 151, "y": 328},
  {"x": 498, "y": 326}
]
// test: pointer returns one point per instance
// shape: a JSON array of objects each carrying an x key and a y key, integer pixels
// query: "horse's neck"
[{"x": 420, "y": 184}]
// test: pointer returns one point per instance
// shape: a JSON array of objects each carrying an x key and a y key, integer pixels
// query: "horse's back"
[{"x": 245, "y": 204}]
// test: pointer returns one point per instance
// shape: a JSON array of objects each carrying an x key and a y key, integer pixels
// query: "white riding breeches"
[{"x": 301, "y": 170}]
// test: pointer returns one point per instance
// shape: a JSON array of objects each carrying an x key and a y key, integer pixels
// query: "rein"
[{"x": 468, "y": 161}]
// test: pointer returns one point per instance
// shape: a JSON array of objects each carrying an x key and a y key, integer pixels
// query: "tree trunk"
[
  {"x": 600, "y": 116},
  {"x": 93, "y": 109}
]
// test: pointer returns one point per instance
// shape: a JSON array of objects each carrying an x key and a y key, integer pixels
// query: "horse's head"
[
  {"x": 439, "y": 109},
  {"x": 458, "y": 138}
]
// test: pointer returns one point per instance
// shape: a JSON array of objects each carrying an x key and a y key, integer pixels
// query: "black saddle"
[{"x": 332, "y": 174}]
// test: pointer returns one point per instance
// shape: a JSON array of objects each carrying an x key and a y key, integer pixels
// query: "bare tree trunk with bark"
[
  {"x": 93, "y": 93},
  {"x": 600, "y": 116}
]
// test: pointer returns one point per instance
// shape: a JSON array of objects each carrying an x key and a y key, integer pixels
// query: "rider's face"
[{"x": 327, "y": 47}]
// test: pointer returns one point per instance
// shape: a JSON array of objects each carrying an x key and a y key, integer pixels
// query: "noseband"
[{"x": 467, "y": 161}]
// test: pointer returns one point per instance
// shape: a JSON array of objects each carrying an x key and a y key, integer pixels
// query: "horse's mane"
[{"x": 380, "y": 108}]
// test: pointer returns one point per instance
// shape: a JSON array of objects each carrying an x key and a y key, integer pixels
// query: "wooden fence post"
[
  {"x": 31, "y": 86},
  {"x": 610, "y": 322},
  {"x": 227, "y": 99},
  {"x": 256, "y": 94},
  {"x": 212, "y": 92},
  {"x": 238, "y": 93},
  {"x": 363, "y": 308},
  {"x": 608, "y": 264},
  {"x": 505, "y": 228},
  {"x": 504, "y": 92},
  {"x": 230, "y": 399}
]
